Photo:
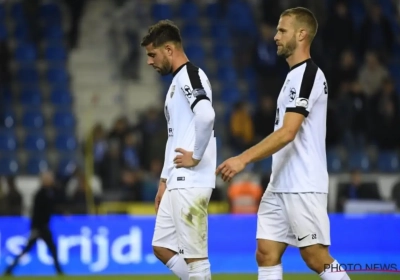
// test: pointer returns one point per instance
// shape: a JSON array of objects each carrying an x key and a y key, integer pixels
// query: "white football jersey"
[
  {"x": 189, "y": 86},
  {"x": 301, "y": 165}
]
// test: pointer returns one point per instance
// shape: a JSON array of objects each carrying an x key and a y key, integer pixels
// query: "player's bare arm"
[{"x": 267, "y": 147}]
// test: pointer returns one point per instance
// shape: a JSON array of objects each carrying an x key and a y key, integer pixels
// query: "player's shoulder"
[
  {"x": 307, "y": 71},
  {"x": 191, "y": 77}
]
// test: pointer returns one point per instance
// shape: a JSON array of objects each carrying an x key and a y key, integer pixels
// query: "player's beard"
[
  {"x": 166, "y": 68},
  {"x": 288, "y": 49}
]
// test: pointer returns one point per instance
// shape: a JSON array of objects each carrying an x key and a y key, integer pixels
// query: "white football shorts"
[
  {"x": 297, "y": 219},
  {"x": 182, "y": 222}
]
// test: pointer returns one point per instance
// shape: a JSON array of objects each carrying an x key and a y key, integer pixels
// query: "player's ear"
[
  {"x": 168, "y": 49},
  {"x": 302, "y": 35}
]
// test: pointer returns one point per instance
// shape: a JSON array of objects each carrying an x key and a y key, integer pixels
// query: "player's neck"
[
  {"x": 297, "y": 57},
  {"x": 179, "y": 61}
]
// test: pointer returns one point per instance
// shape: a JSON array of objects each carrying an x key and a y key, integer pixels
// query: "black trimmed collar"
[
  {"x": 179, "y": 68},
  {"x": 300, "y": 63}
]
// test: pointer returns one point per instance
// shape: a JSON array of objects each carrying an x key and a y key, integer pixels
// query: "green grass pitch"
[{"x": 214, "y": 277}]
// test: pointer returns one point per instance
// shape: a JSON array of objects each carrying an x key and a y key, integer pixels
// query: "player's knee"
[
  {"x": 315, "y": 257},
  {"x": 163, "y": 254},
  {"x": 267, "y": 257}
]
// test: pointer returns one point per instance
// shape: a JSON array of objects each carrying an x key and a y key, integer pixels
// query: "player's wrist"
[{"x": 244, "y": 158}]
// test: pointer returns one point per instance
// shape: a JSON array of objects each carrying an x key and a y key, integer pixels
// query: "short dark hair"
[
  {"x": 304, "y": 16},
  {"x": 162, "y": 32}
]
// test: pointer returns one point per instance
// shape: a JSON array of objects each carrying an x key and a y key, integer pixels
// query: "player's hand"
[
  {"x": 185, "y": 159},
  {"x": 162, "y": 186},
  {"x": 230, "y": 168}
]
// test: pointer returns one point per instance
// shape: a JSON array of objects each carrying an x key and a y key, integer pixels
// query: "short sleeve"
[
  {"x": 305, "y": 91},
  {"x": 192, "y": 86}
]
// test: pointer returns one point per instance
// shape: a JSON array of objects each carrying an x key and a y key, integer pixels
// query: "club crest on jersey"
[
  {"x": 188, "y": 91},
  {"x": 292, "y": 94},
  {"x": 172, "y": 91},
  {"x": 302, "y": 102}
]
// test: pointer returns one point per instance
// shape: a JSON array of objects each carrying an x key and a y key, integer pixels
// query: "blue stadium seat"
[
  {"x": 25, "y": 53},
  {"x": 240, "y": 18},
  {"x": 30, "y": 97},
  {"x": 28, "y": 75},
  {"x": 8, "y": 141},
  {"x": 21, "y": 32},
  {"x": 55, "y": 53},
  {"x": 67, "y": 166},
  {"x": 61, "y": 97},
  {"x": 57, "y": 76},
  {"x": 35, "y": 142},
  {"x": 223, "y": 52},
  {"x": 50, "y": 13},
  {"x": 17, "y": 11},
  {"x": 7, "y": 118},
  {"x": 220, "y": 32},
  {"x": 334, "y": 162},
  {"x": 3, "y": 32},
  {"x": 192, "y": 31},
  {"x": 230, "y": 94},
  {"x": 53, "y": 33},
  {"x": 66, "y": 142},
  {"x": 37, "y": 164},
  {"x": 161, "y": 11},
  {"x": 195, "y": 52},
  {"x": 388, "y": 162},
  {"x": 226, "y": 74},
  {"x": 8, "y": 166},
  {"x": 189, "y": 11},
  {"x": 64, "y": 119},
  {"x": 212, "y": 10},
  {"x": 33, "y": 119},
  {"x": 6, "y": 96},
  {"x": 360, "y": 161}
]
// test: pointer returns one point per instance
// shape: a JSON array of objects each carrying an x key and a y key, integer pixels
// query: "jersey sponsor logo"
[
  {"x": 180, "y": 179},
  {"x": 302, "y": 102},
  {"x": 172, "y": 91},
  {"x": 197, "y": 92},
  {"x": 325, "y": 87},
  {"x": 292, "y": 94},
  {"x": 188, "y": 91},
  {"x": 170, "y": 132}
]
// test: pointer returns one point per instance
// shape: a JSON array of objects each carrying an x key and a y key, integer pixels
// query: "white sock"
[
  {"x": 334, "y": 272},
  {"x": 179, "y": 267},
  {"x": 199, "y": 270},
  {"x": 270, "y": 272}
]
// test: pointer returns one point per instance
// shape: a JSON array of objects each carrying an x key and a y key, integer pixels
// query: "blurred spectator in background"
[
  {"x": 386, "y": 127},
  {"x": 130, "y": 152},
  {"x": 131, "y": 185},
  {"x": 344, "y": 72},
  {"x": 111, "y": 166},
  {"x": 244, "y": 195},
  {"x": 372, "y": 74},
  {"x": 152, "y": 130},
  {"x": 77, "y": 190},
  {"x": 76, "y": 8},
  {"x": 151, "y": 180},
  {"x": 339, "y": 31},
  {"x": 267, "y": 64},
  {"x": 356, "y": 189},
  {"x": 99, "y": 146},
  {"x": 241, "y": 127},
  {"x": 44, "y": 206},
  {"x": 119, "y": 131},
  {"x": 11, "y": 200},
  {"x": 376, "y": 32},
  {"x": 264, "y": 118}
]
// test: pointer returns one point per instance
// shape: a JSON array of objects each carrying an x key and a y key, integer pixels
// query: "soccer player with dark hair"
[
  {"x": 293, "y": 210},
  {"x": 180, "y": 238}
]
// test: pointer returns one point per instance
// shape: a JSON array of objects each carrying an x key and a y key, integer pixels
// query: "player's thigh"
[
  {"x": 191, "y": 219},
  {"x": 309, "y": 218},
  {"x": 165, "y": 230},
  {"x": 272, "y": 222}
]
